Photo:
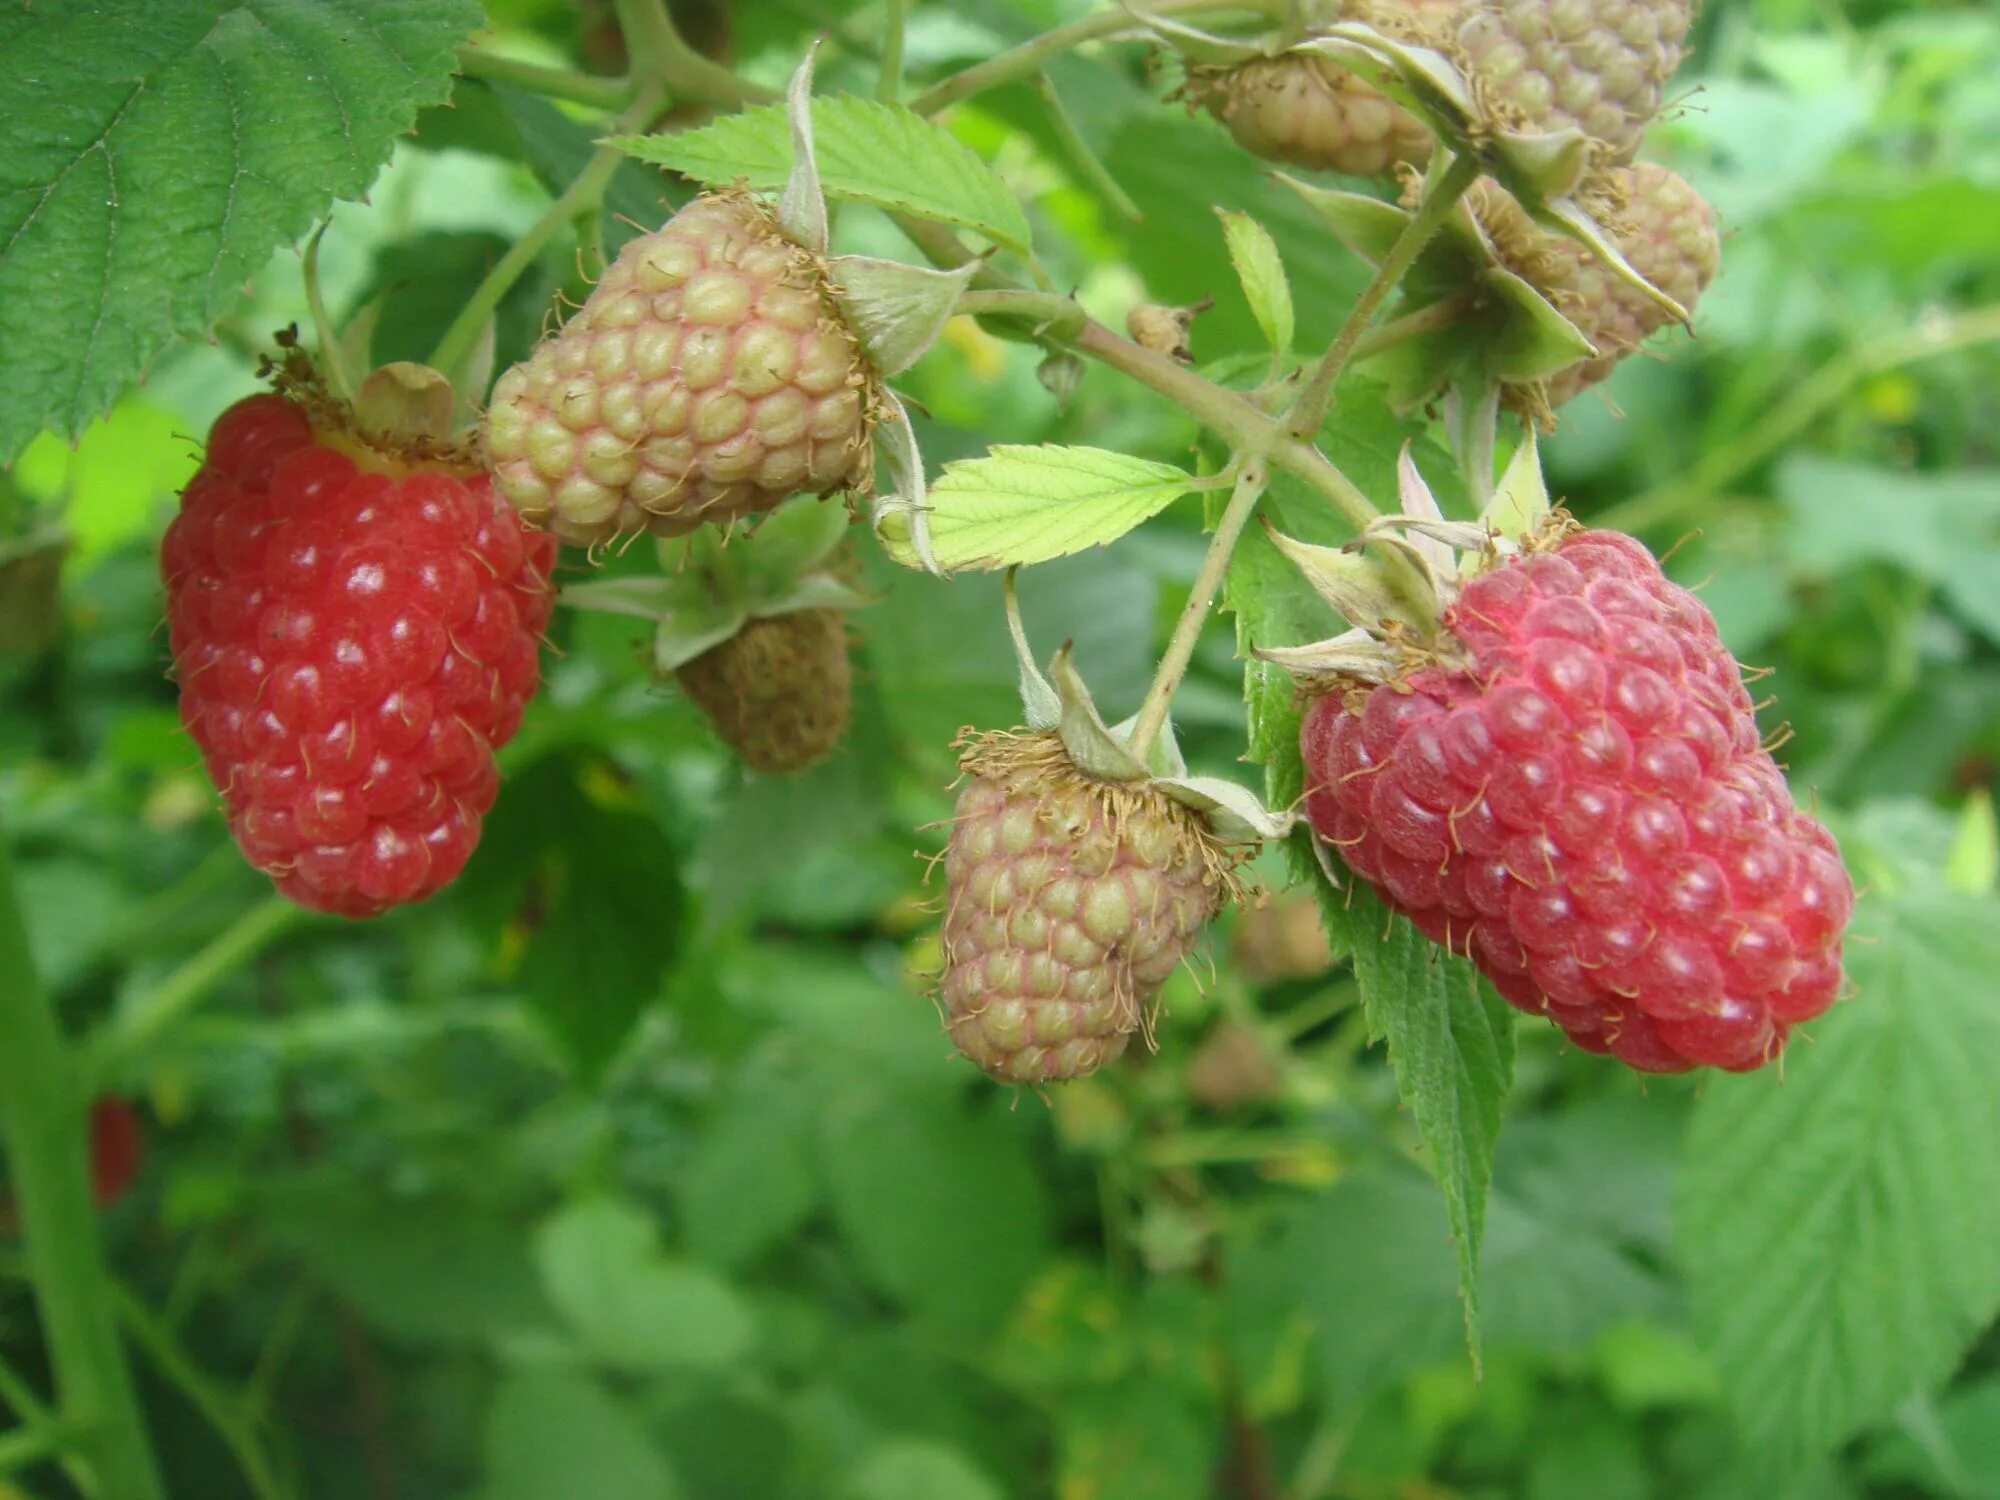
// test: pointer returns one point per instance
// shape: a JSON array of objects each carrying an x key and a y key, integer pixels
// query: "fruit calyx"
[{"x": 399, "y": 421}]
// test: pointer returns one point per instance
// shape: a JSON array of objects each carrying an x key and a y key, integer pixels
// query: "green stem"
[
  {"x": 585, "y": 192},
  {"x": 1781, "y": 423},
  {"x": 1051, "y": 314},
  {"x": 30, "y": 1445},
  {"x": 661, "y": 55},
  {"x": 1194, "y": 614},
  {"x": 553, "y": 83},
  {"x": 1086, "y": 160},
  {"x": 1031, "y": 55},
  {"x": 1443, "y": 314},
  {"x": 1310, "y": 409},
  {"x": 143, "y": 1019},
  {"x": 889, "y": 85},
  {"x": 218, "y": 1408},
  {"x": 43, "y": 1114}
]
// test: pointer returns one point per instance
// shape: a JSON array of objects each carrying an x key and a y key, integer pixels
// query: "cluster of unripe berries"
[{"x": 1566, "y": 785}]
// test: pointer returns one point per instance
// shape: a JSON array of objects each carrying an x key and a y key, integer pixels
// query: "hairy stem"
[
  {"x": 1250, "y": 483},
  {"x": 1049, "y": 313},
  {"x": 1029, "y": 57},
  {"x": 586, "y": 192},
  {"x": 1310, "y": 409},
  {"x": 552, "y": 83},
  {"x": 661, "y": 56},
  {"x": 140, "y": 1021},
  {"x": 43, "y": 1115}
]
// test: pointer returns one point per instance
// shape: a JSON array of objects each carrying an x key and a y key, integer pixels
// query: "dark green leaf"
[{"x": 152, "y": 156}]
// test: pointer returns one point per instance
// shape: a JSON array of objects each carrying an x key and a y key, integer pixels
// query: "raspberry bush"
[{"x": 1179, "y": 749}]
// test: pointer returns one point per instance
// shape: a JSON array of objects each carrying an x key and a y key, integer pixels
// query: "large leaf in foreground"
[
  {"x": 152, "y": 156},
  {"x": 1837, "y": 1219}
]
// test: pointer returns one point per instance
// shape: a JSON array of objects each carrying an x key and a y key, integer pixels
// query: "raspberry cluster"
[
  {"x": 1574, "y": 794},
  {"x": 708, "y": 376},
  {"x": 354, "y": 635}
]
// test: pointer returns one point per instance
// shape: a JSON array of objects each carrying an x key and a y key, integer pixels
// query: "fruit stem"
[
  {"x": 1250, "y": 481},
  {"x": 585, "y": 192},
  {"x": 889, "y": 84},
  {"x": 1085, "y": 160},
  {"x": 139, "y": 1021},
  {"x": 1444, "y": 192},
  {"x": 661, "y": 55},
  {"x": 552, "y": 83},
  {"x": 1051, "y": 314},
  {"x": 1029, "y": 56},
  {"x": 43, "y": 1117}
]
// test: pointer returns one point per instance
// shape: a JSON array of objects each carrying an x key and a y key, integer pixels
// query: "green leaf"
[
  {"x": 1451, "y": 1042},
  {"x": 591, "y": 893},
  {"x": 152, "y": 156},
  {"x": 1364, "y": 1274},
  {"x": 1836, "y": 1219},
  {"x": 868, "y": 152},
  {"x": 628, "y": 1305},
  {"x": 431, "y": 1272},
  {"x": 1938, "y": 526},
  {"x": 939, "y": 1206},
  {"x": 1027, "y": 505},
  {"x": 915, "y": 1470},
  {"x": 751, "y": 1180},
  {"x": 1258, "y": 267},
  {"x": 553, "y": 1432}
]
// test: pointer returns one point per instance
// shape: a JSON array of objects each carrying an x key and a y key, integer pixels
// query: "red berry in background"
[
  {"x": 1574, "y": 794},
  {"x": 117, "y": 1141},
  {"x": 355, "y": 626}
]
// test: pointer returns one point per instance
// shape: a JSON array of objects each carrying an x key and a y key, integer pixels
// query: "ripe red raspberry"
[
  {"x": 1574, "y": 794},
  {"x": 117, "y": 1141},
  {"x": 355, "y": 631},
  {"x": 1068, "y": 902},
  {"x": 709, "y": 376}
]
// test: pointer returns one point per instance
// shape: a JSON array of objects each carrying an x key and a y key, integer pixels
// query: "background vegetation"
[{"x": 635, "y": 1165}]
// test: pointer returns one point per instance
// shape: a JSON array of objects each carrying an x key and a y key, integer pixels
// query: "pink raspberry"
[
  {"x": 355, "y": 632},
  {"x": 1574, "y": 795}
]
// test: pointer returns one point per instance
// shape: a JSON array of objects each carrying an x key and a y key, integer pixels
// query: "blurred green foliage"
[{"x": 635, "y": 1165}]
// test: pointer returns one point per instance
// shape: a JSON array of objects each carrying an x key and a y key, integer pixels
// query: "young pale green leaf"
[
  {"x": 1451, "y": 1042},
  {"x": 152, "y": 156},
  {"x": 1258, "y": 267},
  {"x": 1836, "y": 1220},
  {"x": 868, "y": 152},
  {"x": 1026, "y": 505}
]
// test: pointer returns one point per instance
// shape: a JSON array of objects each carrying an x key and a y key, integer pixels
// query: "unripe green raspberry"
[
  {"x": 1309, "y": 112},
  {"x": 709, "y": 376},
  {"x": 779, "y": 690},
  {"x": 1598, "y": 66},
  {"x": 1068, "y": 902},
  {"x": 1663, "y": 227}
]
